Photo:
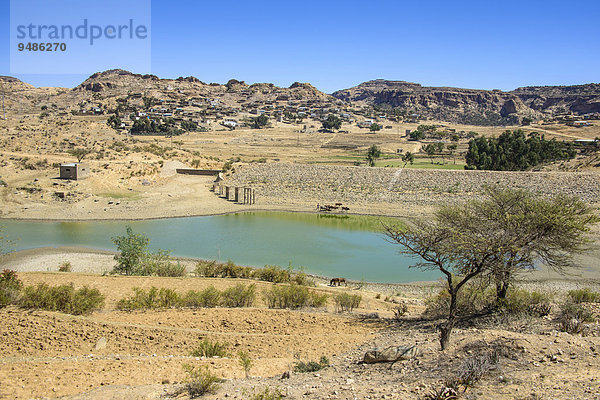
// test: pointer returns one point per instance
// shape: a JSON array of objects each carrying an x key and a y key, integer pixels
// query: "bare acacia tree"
[{"x": 80, "y": 153}]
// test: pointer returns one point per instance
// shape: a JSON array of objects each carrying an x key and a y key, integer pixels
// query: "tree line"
[{"x": 513, "y": 151}]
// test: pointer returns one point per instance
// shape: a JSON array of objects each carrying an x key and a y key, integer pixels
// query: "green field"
[{"x": 423, "y": 163}]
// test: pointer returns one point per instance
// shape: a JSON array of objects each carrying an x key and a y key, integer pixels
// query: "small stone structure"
[
  {"x": 74, "y": 171},
  {"x": 233, "y": 193}
]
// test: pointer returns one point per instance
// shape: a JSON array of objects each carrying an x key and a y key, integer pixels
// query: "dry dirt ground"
[{"x": 49, "y": 355}]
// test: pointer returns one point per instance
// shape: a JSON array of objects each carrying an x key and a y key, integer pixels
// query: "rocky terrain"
[
  {"x": 477, "y": 107},
  {"x": 465, "y": 106}
]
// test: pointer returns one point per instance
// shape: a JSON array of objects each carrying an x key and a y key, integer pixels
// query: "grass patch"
[
  {"x": 132, "y": 196},
  {"x": 423, "y": 163},
  {"x": 584, "y": 296},
  {"x": 206, "y": 348}
]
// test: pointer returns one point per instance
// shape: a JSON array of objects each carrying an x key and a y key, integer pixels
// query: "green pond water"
[{"x": 349, "y": 246}]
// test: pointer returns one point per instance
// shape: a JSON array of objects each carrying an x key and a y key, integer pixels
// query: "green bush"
[
  {"x": 267, "y": 394},
  {"x": 573, "y": 318},
  {"x": 584, "y": 296},
  {"x": 135, "y": 259},
  {"x": 520, "y": 301},
  {"x": 10, "y": 288},
  {"x": 239, "y": 296},
  {"x": 311, "y": 366},
  {"x": 200, "y": 381},
  {"x": 153, "y": 298},
  {"x": 272, "y": 273},
  {"x": 245, "y": 362},
  {"x": 213, "y": 269},
  {"x": 346, "y": 302},
  {"x": 209, "y": 298},
  {"x": 63, "y": 298},
  {"x": 293, "y": 297},
  {"x": 65, "y": 267},
  {"x": 206, "y": 348}
]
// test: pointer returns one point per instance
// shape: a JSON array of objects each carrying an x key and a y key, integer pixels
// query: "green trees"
[
  {"x": 189, "y": 126},
  {"x": 408, "y": 157},
  {"x": 135, "y": 259},
  {"x": 430, "y": 149},
  {"x": 373, "y": 154},
  {"x": 333, "y": 122},
  {"x": 133, "y": 248},
  {"x": 451, "y": 149},
  {"x": 506, "y": 233},
  {"x": 512, "y": 151},
  {"x": 114, "y": 121},
  {"x": 262, "y": 121},
  {"x": 375, "y": 127},
  {"x": 532, "y": 229}
]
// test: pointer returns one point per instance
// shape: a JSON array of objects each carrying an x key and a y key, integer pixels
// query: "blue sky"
[{"x": 338, "y": 44}]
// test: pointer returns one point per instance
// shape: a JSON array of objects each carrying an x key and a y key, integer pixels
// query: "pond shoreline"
[{"x": 47, "y": 260}]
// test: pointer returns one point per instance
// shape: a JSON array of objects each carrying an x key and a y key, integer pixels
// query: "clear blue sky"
[{"x": 338, "y": 44}]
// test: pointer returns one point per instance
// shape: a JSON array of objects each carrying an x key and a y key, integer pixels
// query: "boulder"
[{"x": 391, "y": 354}]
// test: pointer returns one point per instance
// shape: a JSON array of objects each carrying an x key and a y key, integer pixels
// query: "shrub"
[
  {"x": 346, "y": 302},
  {"x": 311, "y": 366},
  {"x": 584, "y": 296},
  {"x": 10, "y": 287},
  {"x": 400, "y": 311},
  {"x": 65, "y": 267},
  {"x": 293, "y": 297},
  {"x": 267, "y": 394},
  {"x": 153, "y": 298},
  {"x": 213, "y": 269},
  {"x": 272, "y": 273},
  {"x": 572, "y": 318},
  {"x": 63, "y": 298},
  {"x": 209, "y": 349},
  {"x": 209, "y": 298},
  {"x": 245, "y": 362},
  {"x": 520, "y": 301},
  {"x": 239, "y": 296},
  {"x": 200, "y": 381},
  {"x": 160, "y": 264},
  {"x": 472, "y": 298}
]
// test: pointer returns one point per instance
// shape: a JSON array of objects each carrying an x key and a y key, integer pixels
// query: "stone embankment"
[{"x": 281, "y": 183}]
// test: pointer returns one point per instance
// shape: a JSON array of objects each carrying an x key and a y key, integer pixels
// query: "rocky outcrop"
[{"x": 479, "y": 107}]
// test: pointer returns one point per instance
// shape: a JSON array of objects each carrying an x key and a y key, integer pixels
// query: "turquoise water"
[{"x": 351, "y": 247}]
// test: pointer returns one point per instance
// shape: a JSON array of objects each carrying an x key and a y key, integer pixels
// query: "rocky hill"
[
  {"x": 122, "y": 83},
  {"x": 467, "y": 106},
  {"x": 472, "y": 106}
]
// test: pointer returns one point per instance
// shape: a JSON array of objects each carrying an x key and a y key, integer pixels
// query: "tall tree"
[
  {"x": 506, "y": 233},
  {"x": 332, "y": 123},
  {"x": 408, "y": 157},
  {"x": 373, "y": 154}
]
